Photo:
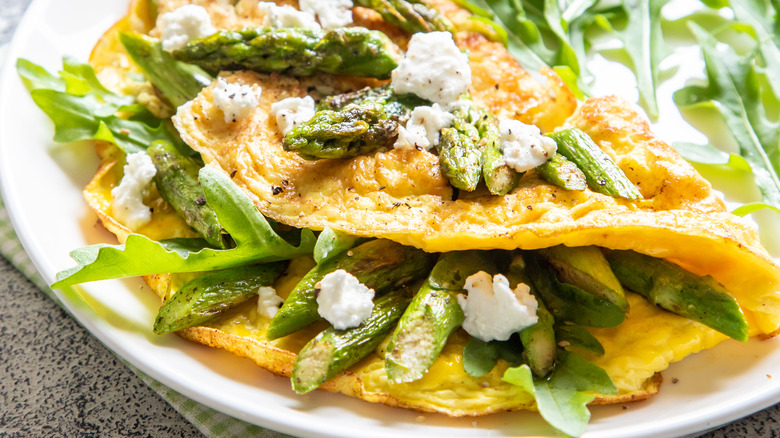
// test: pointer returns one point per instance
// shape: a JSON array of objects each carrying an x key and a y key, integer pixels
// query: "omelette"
[{"x": 402, "y": 196}]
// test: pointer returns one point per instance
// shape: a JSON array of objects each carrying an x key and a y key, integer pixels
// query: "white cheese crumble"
[
  {"x": 434, "y": 68},
  {"x": 424, "y": 127},
  {"x": 343, "y": 300},
  {"x": 235, "y": 100},
  {"x": 330, "y": 13},
  {"x": 268, "y": 301},
  {"x": 524, "y": 146},
  {"x": 493, "y": 310},
  {"x": 291, "y": 111},
  {"x": 184, "y": 24},
  {"x": 128, "y": 204},
  {"x": 286, "y": 16}
]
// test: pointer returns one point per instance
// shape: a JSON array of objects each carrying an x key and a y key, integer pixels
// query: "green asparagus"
[
  {"x": 333, "y": 351},
  {"x": 459, "y": 150},
  {"x": 205, "y": 297},
  {"x": 177, "y": 182},
  {"x": 178, "y": 82},
  {"x": 353, "y": 130},
  {"x": 379, "y": 264},
  {"x": 432, "y": 316},
  {"x": 673, "y": 288},
  {"x": 354, "y": 51},
  {"x": 410, "y": 15},
  {"x": 499, "y": 178},
  {"x": 567, "y": 302},
  {"x": 381, "y": 94},
  {"x": 561, "y": 172},
  {"x": 539, "y": 344},
  {"x": 602, "y": 174},
  {"x": 587, "y": 268}
]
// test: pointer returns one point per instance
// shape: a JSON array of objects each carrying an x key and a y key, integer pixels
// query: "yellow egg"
[{"x": 401, "y": 195}]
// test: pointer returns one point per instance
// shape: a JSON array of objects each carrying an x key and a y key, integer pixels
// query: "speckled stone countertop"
[{"x": 58, "y": 380}]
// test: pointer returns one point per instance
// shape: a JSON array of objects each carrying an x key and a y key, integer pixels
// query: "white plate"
[{"x": 42, "y": 181}]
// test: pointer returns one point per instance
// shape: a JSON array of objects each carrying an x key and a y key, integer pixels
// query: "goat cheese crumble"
[
  {"x": 286, "y": 16},
  {"x": 268, "y": 301},
  {"x": 423, "y": 129},
  {"x": 330, "y": 13},
  {"x": 128, "y": 197},
  {"x": 343, "y": 300},
  {"x": 235, "y": 100},
  {"x": 434, "y": 68},
  {"x": 524, "y": 146},
  {"x": 291, "y": 111},
  {"x": 493, "y": 310},
  {"x": 184, "y": 24}
]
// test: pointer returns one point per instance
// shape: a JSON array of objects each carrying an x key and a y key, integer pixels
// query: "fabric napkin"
[{"x": 210, "y": 422}]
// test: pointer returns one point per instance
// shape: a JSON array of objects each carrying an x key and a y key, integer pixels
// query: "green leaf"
[
  {"x": 480, "y": 357},
  {"x": 563, "y": 407},
  {"x": 734, "y": 92},
  {"x": 753, "y": 207},
  {"x": 177, "y": 81},
  {"x": 577, "y": 372},
  {"x": 331, "y": 242},
  {"x": 577, "y": 336},
  {"x": 642, "y": 39},
  {"x": 82, "y": 109},
  {"x": 561, "y": 399},
  {"x": 34, "y": 76},
  {"x": 761, "y": 16},
  {"x": 256, "y": 242}
]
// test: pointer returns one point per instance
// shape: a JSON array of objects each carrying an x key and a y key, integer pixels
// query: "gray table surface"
[{"x": 58, "y": 380}]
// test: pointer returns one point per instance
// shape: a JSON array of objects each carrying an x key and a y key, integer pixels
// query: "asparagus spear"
[
  {"x": 207, "y": 296},
  {"x": 673, "y": 288},
  {"x": 381, "y": 94},
  {"x": 412, "y": 16},
  {"x": 333, "y": 351},
  {"x": 540, "y": 347},
  {"x": 459, "y": 151},
  {"x": 177, "y": 182},
  {"x": 352, "y": 123},
  {"x": 354, "y": 51},
  {"x": 561, "y": 172},
  {"x": 353, "y": 130},
  {"x": 499, "y": 178},
  {"x": 567, "y": 302},
  {"x": 432, "y": 316},
  {"x": 178, "y": 82},
  {"x": 587, "y": 268},
  {"x": 379, "y": 264},
  {"x": 602, "y": 174}
]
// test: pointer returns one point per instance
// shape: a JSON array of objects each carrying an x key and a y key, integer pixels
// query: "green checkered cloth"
[{"x": 210, "y": 422}]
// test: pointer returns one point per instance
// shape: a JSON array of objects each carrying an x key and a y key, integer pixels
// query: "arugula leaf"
[
  {"x": 82, "y": 109},
  {"x": 577, "y": 336},
  {"x": 733, "y": 90},
  {"x": 761, "y": 16},
  {"x": 563, "y": 407},
  {"x": 177, "y": 81},
  {"x": 642, "y": 39},
  {"x": 480, "y": 357},
  {"x": 255, "y": 239},
  {"x": 499, "y": 10},
  {"x": 561, "y": 399}
]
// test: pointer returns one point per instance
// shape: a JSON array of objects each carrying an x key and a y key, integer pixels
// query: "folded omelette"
[{"x": 401, "y": 195}]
